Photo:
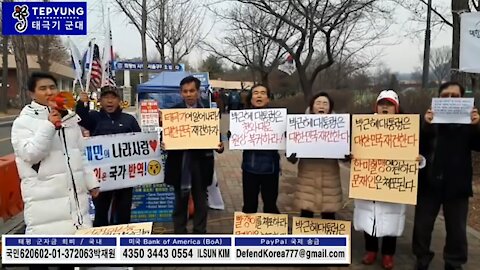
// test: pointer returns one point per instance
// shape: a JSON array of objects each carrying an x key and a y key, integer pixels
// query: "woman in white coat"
[
  {"x": 50, "y": 163},
  {"x": 381, "y": 219}
]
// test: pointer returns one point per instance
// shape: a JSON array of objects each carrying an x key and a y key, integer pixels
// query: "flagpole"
[{"x": 89, "y": 73}]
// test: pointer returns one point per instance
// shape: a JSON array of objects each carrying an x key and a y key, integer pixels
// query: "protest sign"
[
  {"x": 125, "y": 229},
  {"x": 191, "y": 128},
  {"x": 393, "y": 181},
  {"x": 124, "y": 160},
  {"x": 318, "y": 136},
  {"x": 258, "y": 129},
  {"x": 260, "y": 224},
  {"x": 385, "y": 136},
  {"x": 320, "y": 226},
  {"x": 149, "y": 116},
  {"x": 452, "y": 110},
  {"x": 153, "y": 202}
]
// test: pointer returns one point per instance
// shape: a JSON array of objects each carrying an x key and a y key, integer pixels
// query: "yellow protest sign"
[
  {"x": 385, "y": 136},
  {"x": 393, "y": 181},
  {"x": 306, "y": 226},
  {"x": 260, "y": 224},
  {"x": 144, "y": 228},
  {"x": 191, "y": 128}
]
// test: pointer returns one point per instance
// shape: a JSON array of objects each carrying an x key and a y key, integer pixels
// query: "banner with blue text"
[{"x": 176, "y": 249}]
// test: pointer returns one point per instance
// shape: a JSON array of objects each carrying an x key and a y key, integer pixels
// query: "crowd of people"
[{"x": 55, "y": 184}]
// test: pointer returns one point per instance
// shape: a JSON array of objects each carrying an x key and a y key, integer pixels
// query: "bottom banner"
[{"x": 175, "y": 249}]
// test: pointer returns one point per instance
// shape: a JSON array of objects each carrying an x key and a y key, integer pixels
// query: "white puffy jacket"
[
  {"x": 379, "y": 218},
  {"x": 54, "y": 181}
]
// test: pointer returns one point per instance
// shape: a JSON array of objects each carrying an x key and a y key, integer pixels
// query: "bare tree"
[
  {"x": 48, "y": 49},
  {"x": 440, "y": 62},
  {"x": 242, "y": 47},
  {"x": 137, "y": 11},
  {"x": 175, "y": 27},
  {"x": 319, "y": 28},
  {"x": 22, "y": 67}
]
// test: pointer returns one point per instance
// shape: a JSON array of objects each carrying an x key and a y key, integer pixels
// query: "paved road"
[{"x": 5, "y": 145}]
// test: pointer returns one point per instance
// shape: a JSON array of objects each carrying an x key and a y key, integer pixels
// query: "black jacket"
[
  {"x": 103, "y": 123},
  {"x": 447, "y": 148},
  {"x": 202, "y": 164}
]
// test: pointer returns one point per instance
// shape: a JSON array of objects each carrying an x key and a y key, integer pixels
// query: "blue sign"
[
  {"x": 151, "y": 66},
  {"x": 44, "y": 18}
]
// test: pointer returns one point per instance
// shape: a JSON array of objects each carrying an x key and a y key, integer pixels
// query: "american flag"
[{"x": 96, "y": 73}]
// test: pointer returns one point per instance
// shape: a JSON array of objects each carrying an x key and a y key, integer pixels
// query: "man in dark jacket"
[
  {"x": 445, "y": 181},
  {"x": 109, "y": 120},
  {"x": 190, "y": 171}
]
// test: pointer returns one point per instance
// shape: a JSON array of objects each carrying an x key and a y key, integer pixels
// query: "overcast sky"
[{"x": 402, "y": 57}]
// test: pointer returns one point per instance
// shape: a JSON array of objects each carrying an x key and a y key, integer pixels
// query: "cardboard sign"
[
  {"x": 318, "y": 136},
  {"x": 307, "y": 226},
  {"x": 125, "y": 160},
  {"x": 385, "y": 136},
  {"x": 452, "y": 110},
  {"x": 256, "y": 129},
  {"x": 191, "y": 128},
  {"x": 260, "y": 224},
  {"x": 394, "y": 181},
  {"x": 126, "y": 229}
]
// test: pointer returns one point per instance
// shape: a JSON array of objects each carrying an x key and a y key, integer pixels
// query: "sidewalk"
[
  {"x": 221, "y": 222},
  {"x": 229, "y": 177}
]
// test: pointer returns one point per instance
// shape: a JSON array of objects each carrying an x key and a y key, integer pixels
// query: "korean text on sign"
[
  {"x": 124, "y": 229},
  {"x": 318, "y": 136},
  {"x": 258, "y": 129},
  {"x": 260, "y": 224},
  {"x": 191, "y": 128},
  {"x": 320, "y": 226},
  {"x": 384, "y": 136},
  {"x": 149, "y": 113},
  {"x": 44, "y": 18},
  {"x": 393, "y": 181},
  {"x": 125, "y": 160},
  {"x": 452, "y": 110}
]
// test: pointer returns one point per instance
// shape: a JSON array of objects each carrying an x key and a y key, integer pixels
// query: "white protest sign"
[
  {"x": 469, "y": 42},
  {"x": 452, "y": 110},
  {"x": 125, "y": 160},
  {"x": 258, "y": 129},
  {"x": 318, "y": 135}
]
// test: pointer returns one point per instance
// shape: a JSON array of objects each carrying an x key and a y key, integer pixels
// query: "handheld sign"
[
  {"x": 258, "y": 129},
  {"x": 125, "y": 229},
  {"x": 394, "y": 181},
  {"x": 386, "y": 136},
  {"x": 191, "y": 128},
  {"x": 260, "y": 224},
  {"x": 125, "y": 160},
  {"x": 318, "y": 136},
  {"x": 452, "y": 110}
]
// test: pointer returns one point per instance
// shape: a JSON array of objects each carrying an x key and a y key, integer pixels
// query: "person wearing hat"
[
  {"x": 381, "y": 219},
  {"x": 109, "y": 120}
]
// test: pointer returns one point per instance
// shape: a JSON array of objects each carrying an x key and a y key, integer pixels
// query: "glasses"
[{"x": 449, "y": 95}]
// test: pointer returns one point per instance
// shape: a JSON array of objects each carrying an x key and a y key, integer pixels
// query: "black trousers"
[
  {"x": 267, "y": 185},
  {"x": 180, "y": 213},
  {"x": 45, "y": 267},
  {"x": 122, "y": 206},
  {"x": 389, "y": 244},
  {"x": 310, "y": 214},
  {"x": 455, "y": 251}
]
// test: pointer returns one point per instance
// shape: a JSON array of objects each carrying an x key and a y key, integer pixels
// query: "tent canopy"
[{"x": 169, "y": 81}]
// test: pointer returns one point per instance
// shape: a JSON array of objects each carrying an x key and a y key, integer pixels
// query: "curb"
[{"x": 6, "y": 124}]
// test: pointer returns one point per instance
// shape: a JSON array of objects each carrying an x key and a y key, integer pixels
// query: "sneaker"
[
  {"x": 369, "y": 258},
  {"x": 387, "y": 262}
]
